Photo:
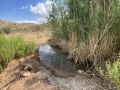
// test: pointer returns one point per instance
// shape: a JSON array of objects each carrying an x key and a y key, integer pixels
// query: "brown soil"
[
  {"x": 38, "y": 37},
  {"x": 37, "y": 79}
]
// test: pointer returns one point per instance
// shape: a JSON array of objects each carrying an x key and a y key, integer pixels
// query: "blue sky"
[{"x": 23, "y": 11}]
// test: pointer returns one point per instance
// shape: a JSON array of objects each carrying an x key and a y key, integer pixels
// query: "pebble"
[
  {"x": 25, "y": 73},
  {"x": 28, "y": 67},
  {"x": 80, "y": 71}
]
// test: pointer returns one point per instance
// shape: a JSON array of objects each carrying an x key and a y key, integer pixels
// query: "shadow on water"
[{"x": 54, "y": 58}]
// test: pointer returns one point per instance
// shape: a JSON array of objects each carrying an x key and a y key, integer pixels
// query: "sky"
[{"x": 24, "y": 11}]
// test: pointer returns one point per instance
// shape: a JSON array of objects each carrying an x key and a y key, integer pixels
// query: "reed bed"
[{"x": 89, "y": 27}]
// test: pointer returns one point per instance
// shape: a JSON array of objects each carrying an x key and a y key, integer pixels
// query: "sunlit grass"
[{"x": 14, "y": 47}]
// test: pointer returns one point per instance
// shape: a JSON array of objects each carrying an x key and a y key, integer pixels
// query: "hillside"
[{"x": 22, "y": 27}]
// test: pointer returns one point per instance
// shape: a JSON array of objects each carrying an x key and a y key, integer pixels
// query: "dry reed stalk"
[
  {"x": 73, "y": 41},
  {"x": 81, "y": 51},
  {"x": 103, "y": 50}
]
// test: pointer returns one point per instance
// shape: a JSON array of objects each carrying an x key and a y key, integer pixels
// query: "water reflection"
[{"x": 56, "y": 59}]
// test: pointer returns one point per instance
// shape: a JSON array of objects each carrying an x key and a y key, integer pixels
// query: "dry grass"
[
  {"x": 103, "y": 49},
  {"x": 101, "y": 52},
  {"x": 38, "y": 37},
  {"x": 81, "y": 51}
]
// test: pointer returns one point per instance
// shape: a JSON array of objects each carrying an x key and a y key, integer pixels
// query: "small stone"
[
  {"x": 25, "y": 73},
  {"x": 28, "y": 67},
  {"x": 80, "y": 71},
  {"x": 40, "y": 75}
]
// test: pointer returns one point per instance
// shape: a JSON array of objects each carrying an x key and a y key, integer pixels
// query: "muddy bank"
[
  {"x": 61, "y": 44},
  {"x": 37, "y": 80}
]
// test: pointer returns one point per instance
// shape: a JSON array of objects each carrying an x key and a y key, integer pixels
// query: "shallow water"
[{"x": 55, "y": 58}]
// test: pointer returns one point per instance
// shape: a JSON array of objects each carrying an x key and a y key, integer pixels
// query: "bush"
[
  {"x": 5, "y": 30},
  {"x": 42, "y": 27},
  {"x": 112, "y": 72},
  {"x": 14, "y": 47},
  {"x": 93, "y": 24},
  {"x": 1, "y": 31},
  {"x": 38, "y": 28}
]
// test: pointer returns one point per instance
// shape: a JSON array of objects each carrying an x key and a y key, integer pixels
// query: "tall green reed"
[{"x": 94, "y": 23}]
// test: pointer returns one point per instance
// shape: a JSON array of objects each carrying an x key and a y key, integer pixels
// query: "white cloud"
[
  {"x": 38, "y": 21},
  {"x": 27, "y": 21},
  {"x": 41, "y": 9},
  {"x": 25, "y": 7}
]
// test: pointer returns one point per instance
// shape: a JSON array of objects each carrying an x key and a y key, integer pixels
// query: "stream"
[{"x": 55, "y": 60}]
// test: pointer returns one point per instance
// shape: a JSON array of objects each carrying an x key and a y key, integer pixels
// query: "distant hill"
[{"x": 22, "y": 27}]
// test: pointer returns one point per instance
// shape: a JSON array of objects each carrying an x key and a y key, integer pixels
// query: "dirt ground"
[
  {"x": 37, "y": 80},
  {"x": 37, "y": 36}
]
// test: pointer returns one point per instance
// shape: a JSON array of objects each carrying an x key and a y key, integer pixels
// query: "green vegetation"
[
  {"x": 42, "y": 27},
  {"x": 14, "y": 47},
  {"x": 5, "y": 30},
  {"x": 92, "y": 30},
  {"x": 91, "y": 27},
  {"x": 112, "y": 72}
]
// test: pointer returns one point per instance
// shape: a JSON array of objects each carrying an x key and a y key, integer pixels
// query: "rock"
[
  {"x": 28, "y": 67},
  {"x": 40, "y": 75},
  {"x": 25, "y": 73},
  {"x": 80, "y": 71}
]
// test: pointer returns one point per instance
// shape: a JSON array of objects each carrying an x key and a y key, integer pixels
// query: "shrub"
[
  {"x": 42, "y": 27},
  {"x": 38, "y": 28},
  {"x": 112, "y": 72},
  {"x": 93, "y": 24},
  {"x": 6, "y": 30},
  {"x": 14, "y": 47},
  {"x": 1, "y": 31}
]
